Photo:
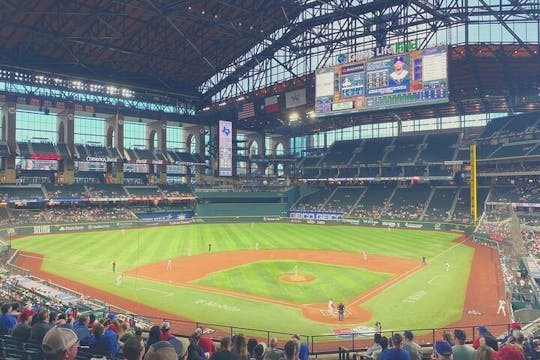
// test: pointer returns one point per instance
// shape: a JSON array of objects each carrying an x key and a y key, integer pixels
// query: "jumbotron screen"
[{"x": 418, "y": 77}]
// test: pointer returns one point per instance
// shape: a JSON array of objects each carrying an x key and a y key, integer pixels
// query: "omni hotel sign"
[{"x": 397, "y": 48}]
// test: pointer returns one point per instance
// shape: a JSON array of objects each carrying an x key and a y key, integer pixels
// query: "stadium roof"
[
  {"x": 170, "y": 45},
  {"x": 194, "y": 50}
]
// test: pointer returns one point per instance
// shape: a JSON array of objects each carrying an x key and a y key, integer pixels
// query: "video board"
[{"x": 414, "y": 78}]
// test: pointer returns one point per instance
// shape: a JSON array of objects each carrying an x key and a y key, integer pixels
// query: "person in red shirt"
[
  {"x": 166, "y": 331},
  {"x": 206, "y": 344}
]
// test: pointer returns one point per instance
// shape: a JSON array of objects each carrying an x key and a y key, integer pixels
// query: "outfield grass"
[
  {"x": 429, "y": 298},
  {"x": 262, "y": 278}
]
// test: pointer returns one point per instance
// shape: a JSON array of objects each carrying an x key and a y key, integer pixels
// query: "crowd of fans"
[
  {"x": 64, "y": 215},
  {"x": 512, "y": 346},
  {"x": 67, "y": 336}
]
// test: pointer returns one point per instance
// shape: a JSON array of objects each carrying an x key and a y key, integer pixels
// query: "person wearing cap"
[
  {"x": 400, "y": 75},
  {"x": 396, "y": 352},
  {"x": 518, "y": 340},
  {"x": 415, "y": 351},
  {"x": 206, "y": 344},
  {"x": 461, "y": 351},
  {"x": 60, "y": 344},
  {"x": 21, "y": 331},
  {"x": 442, "y": 350},
  {"x": 166, "y": 331},
  {"x": 162, "y": 350}
]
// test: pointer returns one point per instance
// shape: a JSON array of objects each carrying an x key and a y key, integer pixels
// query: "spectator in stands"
[
  {"x": 513, "y": 326},
  {"x": 162, "y": 350},
  {"x": 442, "y": 350},
  {"x": 290, "y": 350},
  {"x": 461, "y": 351},
  {"x": 259, "y": 352},
  {"x": 510, "y": 352},
  {"x": 240, "y": 346},
  {"x": 125, "y": 332},
  {"x": 384, "y": 345},
  {"x": 91, "y": 321},
  {"x": 62, "y": 321},
  {"x": 153, "y": 336},
  {"x": 134, "y": 348},
  {"x": 181, "y": 345},
  {"x": 396, "y": 352},
  {"x": 194, "y": 351},
  {"x": 272, "y": 352},
  {"x": 206, "y": 344},
  {"x": 489, "y": 339},
  {"x": 414, "y": 350},
  {"x": 41, "y": 327},
  {"x": 447, "y": 336},
  {"x": 7, "y": 320},
  {"x": 225, "y": 350},
  {"x": 21, "y": 331},
  {"x": 166, "y": 331},
  {"x": 251, "y": 343},
  {"x": 518, "y": 340},
  {"x": 60, "y": 344},
  {"x": 82, "y": 330},
  {"x": 303, "y": 351},
  {"x": 105, "y": 341},
  {"x": 376, "y": 344},
  {"x": 483, "y": 352}
]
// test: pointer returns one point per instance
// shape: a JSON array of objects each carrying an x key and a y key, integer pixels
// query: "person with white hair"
[{"x": 272, "y": 352}]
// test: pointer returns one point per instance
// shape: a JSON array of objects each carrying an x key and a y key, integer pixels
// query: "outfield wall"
[{"x": 8, "y": 233}]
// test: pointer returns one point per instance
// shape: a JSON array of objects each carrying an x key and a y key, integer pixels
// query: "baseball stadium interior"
[{"x": 399, "y": 114}]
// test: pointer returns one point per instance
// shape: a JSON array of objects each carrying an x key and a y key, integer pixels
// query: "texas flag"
[{"x": 271, "y": 104}]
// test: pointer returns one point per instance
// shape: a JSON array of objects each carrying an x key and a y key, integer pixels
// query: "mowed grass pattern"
[
  {"x": 87, "y": 257},
  {"x": 262, "y": 278}
]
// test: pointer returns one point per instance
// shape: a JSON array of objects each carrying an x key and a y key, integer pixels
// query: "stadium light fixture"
[{"x": 294, "y": 116}]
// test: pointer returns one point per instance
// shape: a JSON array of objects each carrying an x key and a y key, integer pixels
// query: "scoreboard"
[{"x": 417, "y": 77}]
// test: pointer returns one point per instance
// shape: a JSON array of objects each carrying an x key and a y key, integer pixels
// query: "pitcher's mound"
[{"x": 296, "y": 278}]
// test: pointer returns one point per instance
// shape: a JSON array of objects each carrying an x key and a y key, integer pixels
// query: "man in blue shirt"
[
  {"x": 7, "y": 321},
  {"x": 396, "y": 352}
]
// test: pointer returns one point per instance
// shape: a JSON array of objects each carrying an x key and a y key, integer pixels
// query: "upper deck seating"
[
  {"x": 371, "y": 151},
  {"x": 405, "y": 149},
  {"x": 439, "y": 147},
  {"x": 43, "y": 148},
  {"x": 340, "y": 153}
]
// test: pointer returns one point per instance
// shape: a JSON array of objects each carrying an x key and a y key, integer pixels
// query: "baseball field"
[{"x": 274, "y": 276}]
